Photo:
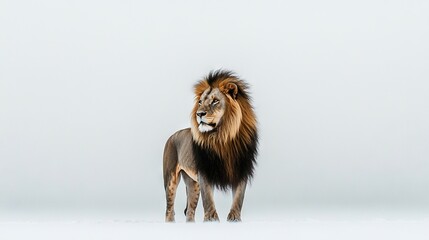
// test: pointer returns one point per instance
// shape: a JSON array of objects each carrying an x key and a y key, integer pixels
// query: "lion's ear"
[{"x": 231, "y": 89}]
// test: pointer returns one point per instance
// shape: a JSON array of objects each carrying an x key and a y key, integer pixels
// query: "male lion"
[{"x": 219, "y": 150}]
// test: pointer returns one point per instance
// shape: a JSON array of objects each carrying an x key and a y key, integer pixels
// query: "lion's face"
[
  {"x": 217, "y": 114},
  {"x": 211, "y": 109}
]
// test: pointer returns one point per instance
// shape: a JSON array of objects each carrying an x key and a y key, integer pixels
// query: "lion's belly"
[{"x": 191, "y": 173}]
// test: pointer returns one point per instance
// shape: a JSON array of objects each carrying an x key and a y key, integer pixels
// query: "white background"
[{"x": 91, "y": 90}]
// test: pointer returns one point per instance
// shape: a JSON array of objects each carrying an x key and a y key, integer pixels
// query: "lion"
[{"x": 218, "y": 151}]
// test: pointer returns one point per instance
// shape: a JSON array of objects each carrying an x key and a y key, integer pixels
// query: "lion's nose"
[{"x": 201, "y": 113}]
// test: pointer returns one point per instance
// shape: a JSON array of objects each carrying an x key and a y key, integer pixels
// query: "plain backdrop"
[{"x": 91, "y": 90}]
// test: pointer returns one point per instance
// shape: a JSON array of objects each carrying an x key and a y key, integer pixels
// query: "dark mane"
[
  {"x": 219, "y": 75},
  {"x": 212, "y": 166}
]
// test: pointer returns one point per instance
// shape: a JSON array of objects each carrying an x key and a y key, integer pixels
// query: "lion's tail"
[{"x": 186, "y": 207}]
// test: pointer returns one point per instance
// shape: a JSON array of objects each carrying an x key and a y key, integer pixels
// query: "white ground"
[{"x": 289, "y": 225}]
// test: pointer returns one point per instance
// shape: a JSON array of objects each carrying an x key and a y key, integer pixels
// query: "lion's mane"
[{"x": 227, "y": 155}]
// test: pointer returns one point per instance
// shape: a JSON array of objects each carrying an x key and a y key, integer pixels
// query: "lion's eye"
[
  {"x": 215, "y": 102},
  {"x": 199, "y": 102}
]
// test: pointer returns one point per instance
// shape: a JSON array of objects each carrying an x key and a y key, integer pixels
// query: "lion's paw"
[
  {"x": 169, "y": 216},
  {"x": 234, "y": 216},
  {"x": 211, "y": 217}
]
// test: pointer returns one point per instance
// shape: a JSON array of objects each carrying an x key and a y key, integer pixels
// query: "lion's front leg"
[
  {"x": 210, "y": 213},
  {"x": 237, "y": 203}
]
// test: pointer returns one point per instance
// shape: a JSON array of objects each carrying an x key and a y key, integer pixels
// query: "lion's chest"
[{"x": 224, "y": 172}]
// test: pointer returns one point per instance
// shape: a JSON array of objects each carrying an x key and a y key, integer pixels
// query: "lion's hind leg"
[
  {"x": 170, "y": 194},
  {"x": 171, "y": 178},
  {"x": 193, "y": 194}
]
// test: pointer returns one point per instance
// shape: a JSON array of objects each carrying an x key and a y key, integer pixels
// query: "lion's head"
[
  {"x": 222, "y": 108},
  {"x": 217, "y": 107},
  {"x": 224, "y": 127}
]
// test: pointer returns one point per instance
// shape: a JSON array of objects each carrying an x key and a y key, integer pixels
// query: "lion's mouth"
[
  {"x": 206, "y": 127},
  {"x": 208, "y": 124}
]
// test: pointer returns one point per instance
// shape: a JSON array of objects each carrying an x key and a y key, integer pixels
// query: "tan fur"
[{"x": 237, "y": 124}]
